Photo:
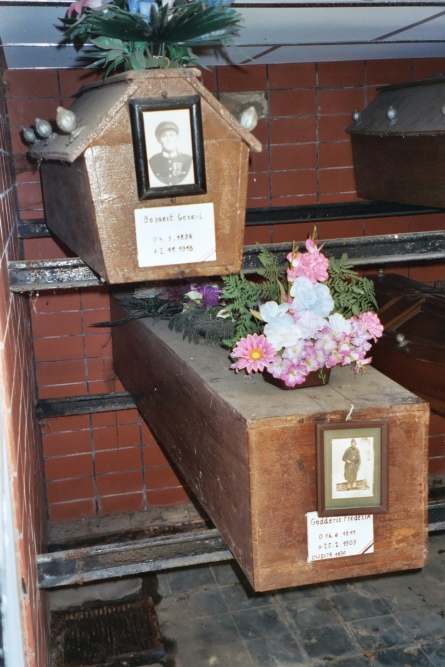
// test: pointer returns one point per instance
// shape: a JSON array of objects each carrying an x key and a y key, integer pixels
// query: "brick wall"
[
  {"x": 21, "y": 437},
  {"x": 110, "y": 463}
]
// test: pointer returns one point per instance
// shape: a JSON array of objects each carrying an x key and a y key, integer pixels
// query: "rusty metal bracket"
[
  {"x": 78, "y": 566},
  {"x": 43, "y": 274}
]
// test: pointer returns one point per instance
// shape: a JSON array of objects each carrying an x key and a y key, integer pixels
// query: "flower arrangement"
[
  {"x": 289, "y": 321},
  {"x": 303, "y": 333},
  {"x": 144, "y": 34}
]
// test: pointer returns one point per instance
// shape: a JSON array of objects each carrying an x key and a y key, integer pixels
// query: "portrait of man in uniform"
[
  {"x": 352, "y": 461},
  {"x": 170, "y": 165}
]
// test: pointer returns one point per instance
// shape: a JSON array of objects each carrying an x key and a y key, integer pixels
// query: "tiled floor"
[{"x": 215, "y": 620}]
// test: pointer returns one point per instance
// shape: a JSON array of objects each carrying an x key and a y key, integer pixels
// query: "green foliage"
[
  {"x": 140, "y": 308},
  {"x": 123, "y": 40},
  {"x": 196, "y": 322},
  {"x": 273, "y": 272},
  {"x": 352, "y": 295}
]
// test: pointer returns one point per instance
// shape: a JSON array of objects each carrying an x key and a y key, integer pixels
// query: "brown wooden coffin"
[
  {"x": 90, "y": 180},
  {"x": 248, "y": 451},
  {"x": 412, "y": 348},
  {"x": 398, "y": 144}
]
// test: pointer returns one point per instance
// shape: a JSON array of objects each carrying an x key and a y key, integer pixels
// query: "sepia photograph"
[
  {"x": 168, "y": 146},
  {"x": 352, "y": 468}
]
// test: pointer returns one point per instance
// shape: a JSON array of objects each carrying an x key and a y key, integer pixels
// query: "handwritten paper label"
[
  {"x": 337, "y": 536},
  {"x": 175, "y": 234}
]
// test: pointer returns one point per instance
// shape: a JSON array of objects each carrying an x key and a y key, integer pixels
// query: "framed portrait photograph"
[
  {"x": 168, "y": 146},
  {"x": 352, "y": 468}
]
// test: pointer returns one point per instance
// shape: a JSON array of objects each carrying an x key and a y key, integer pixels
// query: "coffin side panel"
[
  {"x": 408, "y": 170},
  {"x": 69, "y": 210},
  {"x": 284, "y": 489},
  {"x": 201, "y": 434}
]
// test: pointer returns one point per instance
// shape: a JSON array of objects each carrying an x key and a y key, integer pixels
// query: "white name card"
[
  {"x": 338, "y": 536},
  {"x": 175, "y": 234}
]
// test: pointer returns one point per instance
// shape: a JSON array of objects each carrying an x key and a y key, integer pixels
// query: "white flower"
[
  {"x": 339, "y": 325},
  {"x": 271, "y": 309},
  {"x": 311, "y": 297},
  {"x": 282, "y": 332},
  {"x": 294, "y": 352},
  {"x": 310, "y": 323}
]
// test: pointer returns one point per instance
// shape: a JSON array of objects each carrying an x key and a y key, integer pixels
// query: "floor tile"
[
  {"x": 310, "y": 612},
  {"x": 436, "y": 652},
  {"x": 398, "y": 595},
  {"x": 328, "y": 642},
  {"x": 422, "y": 624},
  {"x": 281, "y": 650},
  {"x": 353, "y": 606},
  {"x": 190, "y": 578},
  {"x": 242, "y": 596},
  {"x": 228, "y": 573},
  {"x": 379, "y": 633},
  {"x": 207, "y": 641},
  {"x": 355, "y": 661},
  {"x": 194, "y": 604},
  {"x": 401, "y": 657},
  {"x": 296, "y": 594},
  {"x": 262, "y": 622}
]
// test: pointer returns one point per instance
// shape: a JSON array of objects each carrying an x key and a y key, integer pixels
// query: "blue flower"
[
  {"x": 141, "y": 7},
  {"x": 311, "y": 297}
]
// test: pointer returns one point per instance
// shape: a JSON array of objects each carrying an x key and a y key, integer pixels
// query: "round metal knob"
[
  {"x": 400, "y": 338},
  {"x": 391, "y": 113},
  {"x": 356, "y": 116},
  {"x": 381, "y": 272}
]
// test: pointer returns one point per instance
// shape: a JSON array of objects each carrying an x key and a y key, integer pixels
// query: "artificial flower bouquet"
[
  {"x": 288, "y": 321},
  {"x": 303, "y": 332}
]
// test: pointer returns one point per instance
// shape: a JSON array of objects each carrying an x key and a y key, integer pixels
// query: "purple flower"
[{"x": 211, "y": 296}]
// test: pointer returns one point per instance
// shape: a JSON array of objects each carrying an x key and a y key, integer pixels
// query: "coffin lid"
[
  {"x": 418, "y": 107},
  {"x": 97, "y": 104}
]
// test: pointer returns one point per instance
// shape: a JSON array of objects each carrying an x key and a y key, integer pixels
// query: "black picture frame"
[
  {"x": 145, "y": 114},
  {"x": 333, "y": 499}
]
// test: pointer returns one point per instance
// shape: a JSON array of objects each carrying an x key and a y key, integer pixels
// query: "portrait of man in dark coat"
[
  {"x": 352, "y": 461},
  {"x": 169, "y": 165}
]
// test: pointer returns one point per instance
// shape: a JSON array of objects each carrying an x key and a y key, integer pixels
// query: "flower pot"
[{"x": 314, "y": 379}]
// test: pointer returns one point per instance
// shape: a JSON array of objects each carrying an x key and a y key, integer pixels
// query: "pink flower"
[
  {"x": 372, "y": 324},
  {"x": 80, "y": 4},
  {"x": 294, "y": 374},
  {"x": 360, "y": 365},
  {"x": 312, "y": 265},
  {"x": 253, "y": 353}
]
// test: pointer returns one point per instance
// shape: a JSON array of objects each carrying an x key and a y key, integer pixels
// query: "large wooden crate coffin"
[
  {"x": 248, "y": 451},
  {"x": 398, "y": 144},
  {"x": 90, "y": 181}
]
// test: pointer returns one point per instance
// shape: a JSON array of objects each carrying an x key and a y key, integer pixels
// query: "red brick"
[
  {"x": 437, "y": 424},
  {"x": 45, "y": 249},
  {"x": 335, "y": 154},
  {"x": 127, "y": 417},
  {"x": 60, "y": 372},
  {"x": 382, "y": 226},
  {"x": 100, "y": 368},
  {"x": 428, "y": 273},
  {"x": 261, "y": 131},
  {"x": 29, "y": 196},
  {"x": 80, "y": 509},
  {"x": 56, "y": 302},
  {"x": 118, "y": 460},
  {"x": 340, "y": 229},
  {"x": 67, "y": 467},
  {"x": 258, "y": 185},
  {"x": 94, "y": 298},
  {"x": 294, "y": 183},
  {"x": 240, "y": 79},
  {"x": 128, "y": 435},
  {"x": 108, "y": 387},
  {"x": 259, "y": 161},
  {"x": 65, "y": 424},
  {"x": 436, "y": 445},
  {"x": 332, "y": 128},
  {"x": 380, "y": 72},
  {"x": 70, "y": 489},
  {"x": 161, "y": 478},
  {"x": 254, "y": 234},
  {"x": 371, "y": 93},
  {"x": 336, "y": 180},
  {"x": 63, "y": 390},
  {"x": 436, "y": 466},
  {"x": 296, "y": 200},
  {"x": 348, "y": 73},
  {"x": 58, "y": 349},
  {"x": 154, "y": 456},
  {"x": 91, "y": 317},
  {"x": 25, "y": 111},
  {"x": 208, "y": 78},
  {"x": 428, "y": 223},
  {"x": 56, "y": 324},
  {"x": 104, "y": 419},
  {"x": 62, "y": 444},
  {"x": 292, "y": 103},
  {"x": 292, "y": 75},
  {"x": 260, "y": 202},
  {"x": 116, "y": 483},
  {"x": 296, "y": 232},
  {"x": 340, "y": 197},
  {"x": 340, "y": 101},
  {"x": 71, "y": 80},
  {"x": 293, "y": 156},
  {"x": 128, "y": 502},
  {"x": 293, "y": 130},
  {"x": 167, "y": 497},
  {"x": 98, "y": 345},
  {"x": 423, "y": 67},
  {"x": 105, "y": 438},
  {"x": 32, "y": 83}
]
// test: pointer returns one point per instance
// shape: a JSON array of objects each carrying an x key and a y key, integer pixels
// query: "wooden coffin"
[
  {"x": 248, "y": 451},
  {"x": 90, "y": 182},
  {"x": 398, "y": 144},
  {"x": 412, "y": 348}
]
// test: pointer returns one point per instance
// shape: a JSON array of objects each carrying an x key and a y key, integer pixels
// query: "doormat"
[{"x": 110, "y": 635}]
